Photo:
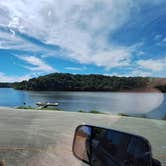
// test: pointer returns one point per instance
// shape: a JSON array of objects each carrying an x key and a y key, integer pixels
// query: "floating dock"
[{"x": 46, "y": 104}]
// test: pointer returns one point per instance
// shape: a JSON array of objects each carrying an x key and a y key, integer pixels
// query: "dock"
[{"x": 46, "y": 104}]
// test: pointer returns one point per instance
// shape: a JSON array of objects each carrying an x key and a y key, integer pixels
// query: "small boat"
[{"x": 46, "y": 104}]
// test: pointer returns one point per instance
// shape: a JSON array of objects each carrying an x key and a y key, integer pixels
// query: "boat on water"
[{"x": 46, "y": 104}]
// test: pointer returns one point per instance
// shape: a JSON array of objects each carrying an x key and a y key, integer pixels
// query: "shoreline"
[
  {"x": 119, "y": 115},
  {"x": 51, "y": 133},
  {"x": 136, "y": 90}
]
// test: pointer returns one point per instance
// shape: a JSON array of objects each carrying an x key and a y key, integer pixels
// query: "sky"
[{"x": 110, "y": 37}]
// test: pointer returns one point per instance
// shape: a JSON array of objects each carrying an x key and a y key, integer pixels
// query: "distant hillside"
[
  {"x": 92, "y": 82},
  {"x": 71, "y": 82},
  {"x": 158, "y": 83},
  {"x": 5, "y": 85}
]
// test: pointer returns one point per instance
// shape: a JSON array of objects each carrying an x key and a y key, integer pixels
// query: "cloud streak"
[
  {"x": 79, "y": 30},
  {"x": 153, "y": 64},
  {"x": 36, "y": 64},
  {"x": 76, "y": 28},
  {"x": 6, "y": 78}
]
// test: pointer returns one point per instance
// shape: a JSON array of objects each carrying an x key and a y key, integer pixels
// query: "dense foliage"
[
  {"x": 5, "y": 85},
  {"x": 162, "y": 88},
  {"x": 71, "y": 82}
]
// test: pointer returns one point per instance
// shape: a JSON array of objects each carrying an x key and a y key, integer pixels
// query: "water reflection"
[{"x": 152, "y": 104}]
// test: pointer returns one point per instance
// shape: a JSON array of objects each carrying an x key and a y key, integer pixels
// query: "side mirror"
[{"x": 104, "y": 147}]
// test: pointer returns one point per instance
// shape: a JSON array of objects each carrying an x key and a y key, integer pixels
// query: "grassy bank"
[
  {"x": 133, "y": 115},
  {"x": 84, "y": 111},
  {"x": 34, "y": 108},
  {"x": 92, "y": 111},
  {"x": 139, "y": 116},
  {"x": 57, "y": 109}
]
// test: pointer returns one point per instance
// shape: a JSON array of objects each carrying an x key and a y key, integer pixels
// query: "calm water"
[{"x": 153, "y": 104}]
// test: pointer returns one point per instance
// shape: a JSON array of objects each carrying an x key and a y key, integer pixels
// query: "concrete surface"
[{"x": 44, "y": 138}]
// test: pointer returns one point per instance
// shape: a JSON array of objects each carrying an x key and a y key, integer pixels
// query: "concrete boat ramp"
[{"x": 44, "y": 138}]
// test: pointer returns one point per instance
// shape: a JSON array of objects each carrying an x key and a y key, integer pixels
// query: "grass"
[
  {"x": 133, "y": 115},
  {"x": 56, "y": 109},
  {"x": 139, "y": 116},
  {"x": 95, "y": 112},
  {"x": 92, "y": 111},
  {"x": 48, "y": 108},
  {"x": 164, "y": 118},
  {"x": 25, "y": 107},
  {"x": 122, "y": 114},
  {"x": 33, "y": 108},
  {"x": 83, "y": 111}
]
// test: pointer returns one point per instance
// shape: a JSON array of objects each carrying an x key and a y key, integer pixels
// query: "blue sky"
[{"x": 111, "y": 37}]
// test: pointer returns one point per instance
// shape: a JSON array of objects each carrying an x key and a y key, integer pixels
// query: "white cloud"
[
  {"x": 7, "y": 78},
  {"x": 11, "y": 41},
  {"x": 157, "y": 37},
  {"x": 36, "y": 63},
  {"x": 80, "y": 26},
  {"x": 153, "y": 64},
  {"x": 164, "y": 40},
  {"x": 160, "y": 40},
  {"x": 117, "y": 57},
  {"x": 74, "y": 68},
  {"x": 141, "y": 53},
  {"x": 116, "y": 74},
  {"x": 134, "y": 73}
]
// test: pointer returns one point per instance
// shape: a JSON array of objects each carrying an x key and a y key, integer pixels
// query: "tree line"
[
  {"x": 5, "y": 85},
  {"x": 162, "y": 88},
  {"x": 77, "y": 82}
]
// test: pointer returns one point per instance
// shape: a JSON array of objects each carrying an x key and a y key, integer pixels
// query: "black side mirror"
[{"x": 104, "y": 147}]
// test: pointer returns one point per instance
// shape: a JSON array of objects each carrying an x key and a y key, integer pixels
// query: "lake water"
[{"x": 153, "y": 104}]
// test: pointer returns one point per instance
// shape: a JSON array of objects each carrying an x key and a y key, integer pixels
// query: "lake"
[{"x": 152, "y": 104}]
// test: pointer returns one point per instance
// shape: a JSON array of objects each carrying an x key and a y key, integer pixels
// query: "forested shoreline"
[
  {"x": 92, "y": 82},
  {"x": 72, "y": 82},
  {"x": 5, "y": 85}
]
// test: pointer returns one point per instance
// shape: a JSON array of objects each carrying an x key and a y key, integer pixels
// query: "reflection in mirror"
[
  {"x": 80, "y": 148},
  {"x": 104, "y": 147},
  {"x": 110, "y": 147}
]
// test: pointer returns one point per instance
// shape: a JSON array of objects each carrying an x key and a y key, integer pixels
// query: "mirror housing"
[{"x": 105, "y": 147}]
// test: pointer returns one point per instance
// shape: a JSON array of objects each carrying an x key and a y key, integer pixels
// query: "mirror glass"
[
  {"x": 105, "y": 147},
  {"x": 80, "y": 148}
]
